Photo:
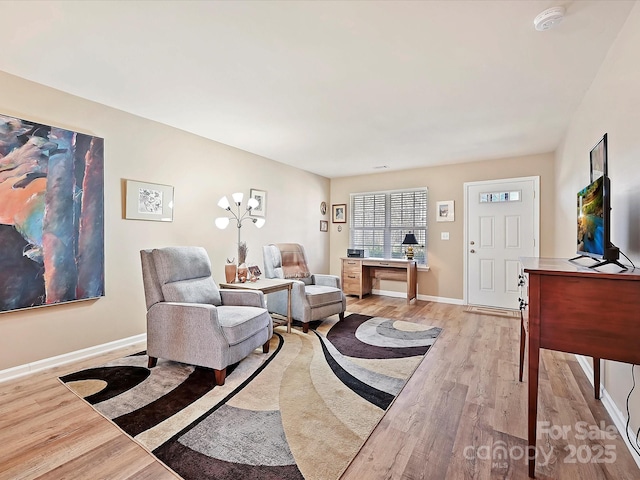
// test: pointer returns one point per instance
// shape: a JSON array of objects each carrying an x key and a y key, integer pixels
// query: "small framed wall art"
[
  {"x": 261, "y": 197},
  {"x": 149, "y": 201},
  {"x": 445, "y": 212},
  {"x": 339, "y": 213},
  {"x": 324, "y": 226}
]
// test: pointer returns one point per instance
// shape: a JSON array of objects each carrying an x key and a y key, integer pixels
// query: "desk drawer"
[
  {"x": 385, "y": 263},
  {"x": 354, "y": 280},
  {"x": 351, "y": 267},
  {"x": 351, "y": 285},
  {"x": 352, "y": 276}
]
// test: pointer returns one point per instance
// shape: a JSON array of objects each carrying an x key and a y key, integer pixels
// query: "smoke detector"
[{"x": 549, "y": 18}]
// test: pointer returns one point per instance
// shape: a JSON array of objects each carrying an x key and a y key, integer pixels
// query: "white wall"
[{"x": 612, "y": 106}]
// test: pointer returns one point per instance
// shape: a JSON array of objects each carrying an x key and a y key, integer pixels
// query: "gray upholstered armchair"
[
  {"x": 190, "y": 320},
  {"x": 313, "y": 297}
]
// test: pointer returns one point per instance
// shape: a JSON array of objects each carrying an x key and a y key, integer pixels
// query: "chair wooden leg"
[
  {"x": 265, "y": 347},
  {"x": 220, "y": 376},
  {"x": 305, "y": 327},
  {"x": 341, "y": 315},
  {"x": 153, "y": 361}
]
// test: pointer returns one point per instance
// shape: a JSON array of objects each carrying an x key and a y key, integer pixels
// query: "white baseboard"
[
  {"x": 617, "y": 416},
  {"x": 431, "y": 298},
  {"x": 389, "y": 293},
  {"x": 427, "y": 298},
  {"x": 33, "y": 367}
]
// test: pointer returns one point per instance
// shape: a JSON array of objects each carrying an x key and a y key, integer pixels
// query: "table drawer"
[
  {"x": 353, "y": 277},
  {"x": 351, "y": 285},
  {"x": 351, "y": 266}
]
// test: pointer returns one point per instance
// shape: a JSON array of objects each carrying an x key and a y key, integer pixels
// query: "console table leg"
[
  {"x": 523, "y": 339},
  {"x": 596, "y": 378},
  {"x": 534, "y": 359},
  {"x": 534, "y": 364}
]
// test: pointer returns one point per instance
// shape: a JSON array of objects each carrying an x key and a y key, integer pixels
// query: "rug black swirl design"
[{"x": 301, "y": 411}]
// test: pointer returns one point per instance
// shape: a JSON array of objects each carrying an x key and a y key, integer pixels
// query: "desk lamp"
[{"x": 410, "y": 240}]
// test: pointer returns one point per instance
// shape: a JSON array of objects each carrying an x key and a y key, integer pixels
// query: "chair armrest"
[
  {"x": 186, "y": 332},
  {"x": 326, "y": 280},
  {"x": 297, "y": 288},
  {"x": 186, "y": 313},
  {"x": 239, "y": 297}
]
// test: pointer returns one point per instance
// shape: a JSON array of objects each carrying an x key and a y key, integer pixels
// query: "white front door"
[{"x": 502, "y": 224}]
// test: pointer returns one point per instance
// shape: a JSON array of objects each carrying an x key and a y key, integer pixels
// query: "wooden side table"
[{"x": 267, "y": 285}]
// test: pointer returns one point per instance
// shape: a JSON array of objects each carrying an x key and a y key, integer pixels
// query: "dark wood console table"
[{"x": 578, "y": 310}]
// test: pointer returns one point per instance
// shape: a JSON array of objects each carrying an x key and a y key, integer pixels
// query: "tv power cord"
[
  {"x": 636, "y": 447},
  {"x": 622, "y": 253}
]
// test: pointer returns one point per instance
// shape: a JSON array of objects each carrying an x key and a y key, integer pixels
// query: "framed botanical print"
[{"x": 149, "y": 201}]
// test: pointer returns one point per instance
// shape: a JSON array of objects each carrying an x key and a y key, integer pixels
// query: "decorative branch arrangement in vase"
[{"x": 243, "y": 271}]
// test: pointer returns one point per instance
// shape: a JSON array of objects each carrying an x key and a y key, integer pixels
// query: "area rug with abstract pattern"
[{"x": 301, "y": 411}]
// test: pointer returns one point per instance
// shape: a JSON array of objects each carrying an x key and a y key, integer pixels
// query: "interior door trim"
[{"x": 536, "y": 222}]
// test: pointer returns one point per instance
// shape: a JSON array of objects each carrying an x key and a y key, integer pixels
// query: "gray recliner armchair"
[
  {"x": 313, "y": 296},
  {"x": 191, "y": 320}
]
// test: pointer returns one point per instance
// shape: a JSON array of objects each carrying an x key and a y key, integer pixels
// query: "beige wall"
[
  {"x": 445, "y": 257},
  {"x": 612, "y": 106},
  {"x": 201, "y": 172}
]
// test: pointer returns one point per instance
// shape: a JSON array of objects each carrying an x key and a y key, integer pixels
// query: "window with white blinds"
[{"x": 380, "y": 221}]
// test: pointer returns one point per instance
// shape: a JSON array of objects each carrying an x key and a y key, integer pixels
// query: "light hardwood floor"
[{"x": 462, "y": 404}]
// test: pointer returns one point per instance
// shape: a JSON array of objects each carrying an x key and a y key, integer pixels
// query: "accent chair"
[
  {"x": 191, "y": 320},
  {"x": 313, "y": 296}
]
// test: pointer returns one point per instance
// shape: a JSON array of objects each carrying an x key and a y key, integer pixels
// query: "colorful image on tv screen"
[{"x": 591, "y": 219}]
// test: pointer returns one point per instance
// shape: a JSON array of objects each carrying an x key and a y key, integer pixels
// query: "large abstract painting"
[{"x": 51, "y": 215}]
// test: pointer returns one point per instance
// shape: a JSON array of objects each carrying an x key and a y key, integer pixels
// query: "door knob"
[
  {"x": 472, "y": 251},
  {"x": 472, "y": 242}
]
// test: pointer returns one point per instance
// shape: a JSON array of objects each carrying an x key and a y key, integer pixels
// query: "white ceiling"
[{"x": 333, "y": 87}]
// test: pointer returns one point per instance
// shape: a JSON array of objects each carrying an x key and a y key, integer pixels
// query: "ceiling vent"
[{"x": 549, "y": 18}]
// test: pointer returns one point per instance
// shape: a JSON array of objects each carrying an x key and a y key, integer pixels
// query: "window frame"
[{"x": 392, "y": 233}]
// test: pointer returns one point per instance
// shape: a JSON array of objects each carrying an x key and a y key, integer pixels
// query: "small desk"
[
  {"x": 267, "y": 285},
  {"x": 358, "y": 272},
  {"x": 576, "y": 309}
]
